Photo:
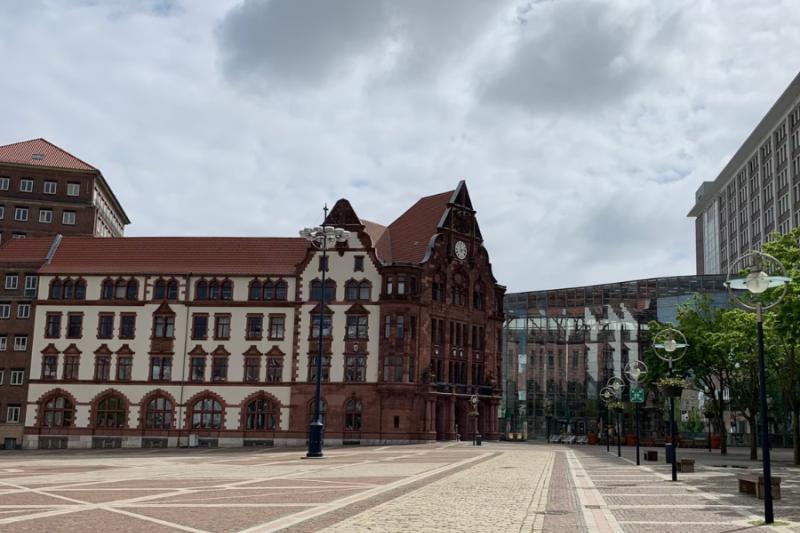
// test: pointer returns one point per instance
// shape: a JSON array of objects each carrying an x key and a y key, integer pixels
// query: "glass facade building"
[{"x": 562, "y": 345}]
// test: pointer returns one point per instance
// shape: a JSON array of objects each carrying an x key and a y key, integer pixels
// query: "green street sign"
[{"x": 637, "y": 395}]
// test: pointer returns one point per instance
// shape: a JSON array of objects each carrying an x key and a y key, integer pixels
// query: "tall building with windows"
[
  {"x": 46, "y": 191},
  {"x": 145, "y": 342},
  {"x": 756, "y": 194}
]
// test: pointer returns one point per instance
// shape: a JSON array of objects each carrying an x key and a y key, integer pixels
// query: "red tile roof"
[
  {"x": 374, "y": 230},
  {"x": 41, "y": 153},
  {"x": 166, "y": 255},
  {"x": 32, "y": 250},
  {"x": 406, "y": 239}
]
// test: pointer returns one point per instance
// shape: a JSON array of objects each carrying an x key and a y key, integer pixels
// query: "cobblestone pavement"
[{"x": 452, "y": 487}]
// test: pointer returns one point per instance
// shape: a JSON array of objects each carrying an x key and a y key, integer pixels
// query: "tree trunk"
[
  {"x": 753, "y": 439},
  {"x": 723, "y": 435},
  {"x": 796, "y": 435}
]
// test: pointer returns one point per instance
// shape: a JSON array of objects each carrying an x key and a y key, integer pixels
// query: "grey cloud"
[{"x": 572, "y": 56}]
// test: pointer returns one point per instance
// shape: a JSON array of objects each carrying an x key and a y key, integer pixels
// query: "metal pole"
[
  {"x": 619, "y": 430},
  {"x": 673, "y": 443},
  {"x": 317, "y": 427},
  {"x": 606, "y": 422},
  {"x": 637, "y": 434},
  {"x": 709, "y": 435},
  {"x": 762, "y": 384}
]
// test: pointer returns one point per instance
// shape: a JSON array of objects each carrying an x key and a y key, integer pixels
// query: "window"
[
  {"x": 158, "y": 413},
  {"x": 401, "y": 284},
  {"x": 49, "y": 367},
  {"x": 437, "y": 289},
  {"x": 400, "y": 330},
  {"x": 102, "y": 367},
  {"x": 255, "y": 290},
  {"x": 199, "y": 326},
  {"x": 326, "y": 325},
  {"x": 255, "y": 327},
  {"x": 127, "y": 325},
  {"x": 207, "y": 414},
  {"x": 71, "y": 366},
  {"x": 2, "y": 212},
  {"x": 45, "y": 216},
  {"x": 355, "y": 291},
  {"x": 58, "y": 412},
  {"x": 274, "y": 369},
  {"x": 11, "y": 282},
  {"x": 281, "y": 290},
  {"x": 262, "y": 414},
  {"x": 252, "y": 368},
  {"x": 4, "y": 183},
  {"x": 105, "y": 326},
  {"x": 323, "y": 263},
  {"x": 355, "y": 368},
  {"x": 389, "y": 284},
  {"x": 477, "y": 297},
  {"x": 111, "y": 412},
  {"x": 23, "y": 310},
  {"x": 219, "y": 368},
  {"x": 316, "y": 290},
  {"x": 31, "y": 283},
  {"x": 357, "y": 326},
  {"x": 323, "y": 410},
  {"x": 12, "y": 414},
  {"x": 197, "y": 369},
  {"x": 201, "y": 290},
  {"x": 107, "y": 290},
  {"x": 3, "y": 343},
  {"x": 222, "y": 326},
  {"x": 352, "y": 415},
  {"x": 17, "y": 377},
  {"x": 124, "y": 367},
  {"x": 160, "y": 368},
  {"x": 387, "y": 326},
  {"x": 172, "y": 290},
  {"x": 393, "y": 368},
  {"x": 131, "y": 290},
  {"x": 5, "y": 311},
  {"x": 164, "y": 327},
  {"x": 50, "y": 187},
  {"x": 277, "y": 326},
  {"x": 20, "y": 343},
  {"x": 74, "y": 325},
  {"x": 68, "y": 218},
  {"x": 227, "y": 290},
  {"x": 25, "y": 185},
  {"x": 160, "y": 290},
  {"x": 73, "y": 189},
  {"x": 326, "y": 368},
  {"x": 358, "y": 264}
]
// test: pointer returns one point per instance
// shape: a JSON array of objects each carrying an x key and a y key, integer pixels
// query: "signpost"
[{"x": 637, "y": 395}]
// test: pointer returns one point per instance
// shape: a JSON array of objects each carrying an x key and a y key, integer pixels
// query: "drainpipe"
[{"x": 187, "y": 306}]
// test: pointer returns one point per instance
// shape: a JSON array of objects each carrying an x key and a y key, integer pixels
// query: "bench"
[
  {"x": 686, "y": 465},
  {"x": 651, "y": 455},
  {"x": 750, "y": 483}
]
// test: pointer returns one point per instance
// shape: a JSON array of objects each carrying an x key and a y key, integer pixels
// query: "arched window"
[
  {"x": 255, "y": 290},
  {"x": 477, "y": 297},
  {"x": 111, "y": 412},
  {"x": 227, "y": 290},
  {"x": 119, "y": 289},
  {"x": 160, "y": 290},
  {"x": 158, "y": 413},
  {"x": 269, "y": 290},
  {"x": 281, "y": 290},
  {"x": 55, "y": 289},
  {"x": 364, "y": 289},
  {"x": 67, "y": 289},
  {"x": 132, "y": 290},
  {"x": 172, "y": 290},
  {"x": 352, "y": 415},
  {"x": 213, "y": 290},
  {"x": 351, "y": 290},
  {"x": 323, "y": 410},
  {"x": 108, "y": 290},
  {"x": 261, "y": 413},
  {"x": 458, "y": 290},
  {"x": 201, "y": 290},
  {"x": 438, "y": 288},
  {"x": 207, "y": 414},
  {"x": 58, "y": 411},
  {"x": 80, "y": 290},
  {"x": 316, "y": 290}
]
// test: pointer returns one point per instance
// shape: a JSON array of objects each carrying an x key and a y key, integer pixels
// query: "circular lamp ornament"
[
  {"x": 670, "y": 345},
  {"x": 606, "y": 394},
  {"x": 757, "y": 280},
  {"x": 635, "y": 371},
  {"x": 616, "y": 385}
]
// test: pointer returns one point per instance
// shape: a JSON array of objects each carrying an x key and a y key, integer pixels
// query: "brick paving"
[{"x": 447, "y": 487}]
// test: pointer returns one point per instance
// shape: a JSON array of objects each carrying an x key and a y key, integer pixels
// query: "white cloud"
[{"x": 582, "y": 128}]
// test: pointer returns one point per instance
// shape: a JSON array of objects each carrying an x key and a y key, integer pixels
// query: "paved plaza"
[{"x": 434, "y": 487}]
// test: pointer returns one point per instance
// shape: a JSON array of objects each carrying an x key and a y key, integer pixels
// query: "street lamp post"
[
  {"x": 761, "y": 273},
  {"x": 322, "y": 238},
  {"x": 476, "y": 438},
  {"x": 617, "y": 385},
  {"x": 670, "y": 345},
  {"x": 607, "y": 394},
  {"x": 636, "y": 371}
]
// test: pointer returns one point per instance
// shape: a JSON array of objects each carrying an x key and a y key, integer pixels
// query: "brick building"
[
  {"x": 44, "y": 192},
  {"x": 172, "y": 341}
]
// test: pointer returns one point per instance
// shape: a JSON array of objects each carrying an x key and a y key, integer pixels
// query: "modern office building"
[
  {"x": 167, "y": 341},
  {"x": 562, "y": 346},
  {"x": 756, "y": 194}
]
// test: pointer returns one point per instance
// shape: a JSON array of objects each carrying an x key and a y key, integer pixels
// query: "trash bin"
[
  {"x": 669, "y": 453},
  {"x": 478, "y": 439}
]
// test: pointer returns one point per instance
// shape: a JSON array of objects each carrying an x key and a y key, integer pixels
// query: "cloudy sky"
[{"x": 583, "y": 128}]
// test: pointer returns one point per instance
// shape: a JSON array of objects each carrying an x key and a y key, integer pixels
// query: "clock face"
[{"x": 461, "y": 250}]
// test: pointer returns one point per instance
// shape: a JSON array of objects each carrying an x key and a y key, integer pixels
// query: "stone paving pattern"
[{"x": 447, "y": 487}]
